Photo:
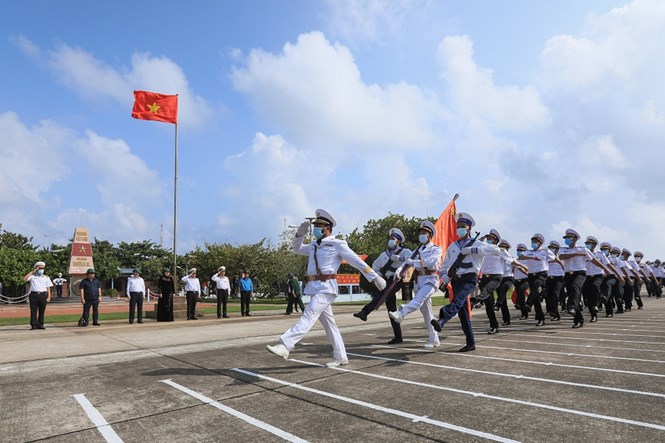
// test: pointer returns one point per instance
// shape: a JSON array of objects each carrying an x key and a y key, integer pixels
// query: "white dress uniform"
[
  {"x": 325, "y": 257},
  {"x": 426, "y": 264},
  {"x": 386, "y": 256}
]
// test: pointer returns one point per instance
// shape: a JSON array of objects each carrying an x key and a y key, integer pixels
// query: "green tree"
[
  {"x": 12, "y": 240},
  {"x": 14, "y": 264},
  {"x": 105, "y": 259}
]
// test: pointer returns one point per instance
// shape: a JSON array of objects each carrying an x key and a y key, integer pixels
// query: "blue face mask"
[
  {"x": 317, "y": 231},
  {"x": 40, "y": 272},
  {"x": 535, "y": 246},
  {"x": 589, "y": 246},
  {"x": 392, "y": 243},
  {"x": 568, "y": 241},
  {"x": 423, "y": 238},
  {"x": 606, "y": 252},
  {"x": 520, "y": 253},
  {"x": 461, "y": 232},
  {"x": 490, "y": 241}
]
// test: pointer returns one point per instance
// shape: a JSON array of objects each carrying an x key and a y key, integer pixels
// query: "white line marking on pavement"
[
  {"x": 549, "y": 343},
  {"x": 98, "y": 420},
  {"x": 494, "y": 397},
  {"x": 251, "y": 420},
  {"x": 517, "y": 376},
  {"x": 593, "y": 339},
  {"x": 516, "y": 360},
  {"x": 399, "y": 413}
]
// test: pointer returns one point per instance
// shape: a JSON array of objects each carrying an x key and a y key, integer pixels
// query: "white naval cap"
[
  {"x": 191, "y": 270},
  {"x": 538, "y": 236},
  {"x": 221, "y": 268},
  {"x": 571, "y": 232},
  {"x": 591, "y": 239},
  {"x": 616, "y": 249},
  {"x": 605, "y": 245},
  {"x": 324, "y": 217},
  {"x": 504, "y": 243},
  {"x": 638, "y": 254},
  {"x": 40, "y": 263},
  {"x": 463, "y": 217},
  {"x": 496, "y": 234},
  {"x": 395, "y": 232},
  {"x": 625, "y": 251},
  {"x": 428, "y": 226},
  {"x": 521, "y": 246},
  {"x": 555, "y": 244}
]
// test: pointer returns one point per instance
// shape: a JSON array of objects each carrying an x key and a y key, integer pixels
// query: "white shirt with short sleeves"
[
  {"x": 577, "y": 263},
  {"x": 541, "y": 265},
  {"x": 39, "y": 283},
  {"x": 593, "y": 269}
]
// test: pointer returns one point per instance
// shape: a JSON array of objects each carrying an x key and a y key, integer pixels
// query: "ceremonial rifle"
[
  {"x": 452, "y": 271},
  {"x": 394, "y": 284}
]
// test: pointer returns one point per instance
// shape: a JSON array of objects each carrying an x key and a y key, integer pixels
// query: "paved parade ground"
[{"x": 212, "y": 380}]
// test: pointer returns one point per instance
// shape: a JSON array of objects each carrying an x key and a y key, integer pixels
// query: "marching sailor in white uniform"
[
  {"x": 325, "y": 256},
  {"x": 426, "y": 265}
]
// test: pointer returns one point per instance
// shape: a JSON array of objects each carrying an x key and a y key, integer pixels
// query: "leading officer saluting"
[{"x": 325, "y": 256}]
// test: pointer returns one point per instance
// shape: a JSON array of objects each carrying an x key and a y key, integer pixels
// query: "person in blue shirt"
[
  {"x": 91, "y": 295},
  {"x": 246, "y": 289}
]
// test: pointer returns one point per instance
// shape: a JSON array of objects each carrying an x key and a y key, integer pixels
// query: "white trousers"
[
  {"x": 318, "y": 308},
  {"x": 423, "y": 301}
]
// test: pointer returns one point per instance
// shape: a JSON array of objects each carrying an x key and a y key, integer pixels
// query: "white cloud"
[
  {"x": 26, "y": 46},
  {"x": 313, "y": 93},
  {"x": 95, "y": 79}
]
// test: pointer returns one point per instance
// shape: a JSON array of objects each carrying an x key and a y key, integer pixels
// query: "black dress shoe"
[
  {"x": 594, "y": 319},
  {"x": 609, "y": 315},
  {"x": 639, "y": 307},
  {"x": 131, "y": 322},
  {"x": 193, "y": 318},
  {"x": 219, "y": 316},
  {"x": 540, "y": 323},
  {"x": 96, "y": 324},
  {"x": 248, "y": 314},
  {"x": 361, "y": 315},
  {"x": 467, "y": 348},
  {"x": 225, "y": 316},
  {"x": 524, "y": 317},
  {"x": 140, "y": 321},
  {"x": 493, "y": 331},
  {"x": 578, "y": 325},
  {"x": 557, "y": 318},
  {"x": 436, "y": 325},
  {"x": 33, "y": 327},
  {"x": 395, "y": 341},
  {"x": 505, "y": 323},
  {"x": 41, "y": 327}
]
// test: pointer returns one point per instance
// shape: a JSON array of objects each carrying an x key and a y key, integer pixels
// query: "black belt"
[
  {"x": 576, "y": 273},
  {"x": 595, "y": 275},
  {"x": 38, "y": 293},
  {"x": 492, "y": 275},
  {"x": 555, "y": 276},
  {"x": 467, "y": 276},
  {"x": 538, "y": 273}
]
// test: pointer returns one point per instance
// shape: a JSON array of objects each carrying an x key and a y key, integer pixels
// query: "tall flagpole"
[{"x": 175, "y": 212}]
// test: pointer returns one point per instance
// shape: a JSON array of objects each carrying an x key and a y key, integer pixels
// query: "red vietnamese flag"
[
  {"x": 154, "y": 106},
  {"x": 446, "y": 233}
]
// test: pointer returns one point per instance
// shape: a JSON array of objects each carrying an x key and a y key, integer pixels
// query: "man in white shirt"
[
  {"x": 135, "y": 292},
  {"x": 223, "y": 290},
  {"x": 538, "y": 263},
  {"x": 554, "y": 284},
  {"x": 40, "y": 294},
  {"x": 460, "y": 267},
  {"x": 58, "y": 283},
  {"x": 612, "y": 288},
  {"x": 192, "y": 290},
  {"x": 326, "y": 254}
]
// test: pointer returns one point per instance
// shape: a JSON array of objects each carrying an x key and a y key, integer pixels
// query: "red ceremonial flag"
[
  {"x": 154, "y": 106},
  {"x": 446, "y": 233}
]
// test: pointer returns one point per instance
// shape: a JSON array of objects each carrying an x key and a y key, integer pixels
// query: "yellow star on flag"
[{"x": 154, "y": 108}]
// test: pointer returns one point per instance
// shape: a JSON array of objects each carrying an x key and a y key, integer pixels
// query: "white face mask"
[{"x": 423, "y": 238}]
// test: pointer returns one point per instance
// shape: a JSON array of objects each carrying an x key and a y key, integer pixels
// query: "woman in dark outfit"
[{"x": 165, "y": 302}]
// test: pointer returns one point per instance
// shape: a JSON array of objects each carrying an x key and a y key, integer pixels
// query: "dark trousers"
[
  {"x": 606, "y": 291},
  {"x": 462, "y": 288},
  {"x": 136, "y": 303},
  {"x": 628, "y": 294},
  {"x": 536, "y": 285},
  {"x": 617, "y": 295},
  {"x": 488, "y": 284},
  {"x": 191, "y": 304},
  {"x": 295, "y": 300},
  {"x": 591, "y": 289},
  {"x": 95, "y": 310},
  {"x": 574, "y": 282},
  {"x": 58, "y": 290},
  {"x": 553, "y": 287},
  {"x": 222, "y": 301},
  {"x": 37, "y": 309},
  {"x": 391, "y": 305},
  {"x": 637, "y": 289},
  {"x": 244, "y": 301},
  {"x": 521, "y": 286},
  {"x": 502, "y": 291}
]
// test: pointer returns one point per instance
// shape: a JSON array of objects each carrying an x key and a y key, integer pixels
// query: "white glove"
[
  {"x": 379, "y": 282},
  {"x": 469, "y": 250},
  {"x": 303, "y": 229},
  {"x": 445, "y": 279},
  {"x": 409, "y": 262},
  {"x": 395, "y": 257}
]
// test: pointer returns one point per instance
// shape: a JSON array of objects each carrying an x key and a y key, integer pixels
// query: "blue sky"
[{"x": 542, "y": 115}]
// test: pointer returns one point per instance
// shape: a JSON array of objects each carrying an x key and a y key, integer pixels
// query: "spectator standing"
[
  {"x": 223, "y": 289},
  {"x": 136, "y": 293},
  {"x": 58, "y": 282},
  {"x": 40, "y": 294},
  {"x": 91, "y": 295},
  {"x": 246, "y": 289},
  {"x": 193, "y": 290},
  {"x": 165, "y": 302},
  {"x": 295, "y": 294}
]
